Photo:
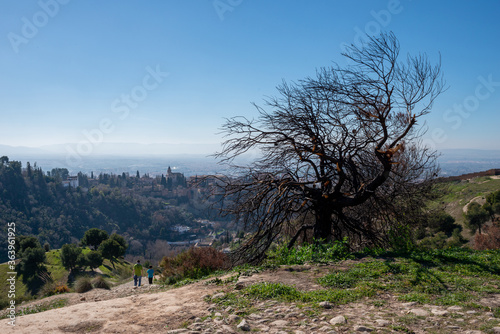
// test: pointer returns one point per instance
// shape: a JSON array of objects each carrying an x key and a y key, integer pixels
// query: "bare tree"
[{"x": 337, "y": 152}]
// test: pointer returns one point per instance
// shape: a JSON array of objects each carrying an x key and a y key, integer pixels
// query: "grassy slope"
[
  {"x": 457, "y": 194},
  {"x": 451, "y": 277},
  {"x": 120, "y": 272}
]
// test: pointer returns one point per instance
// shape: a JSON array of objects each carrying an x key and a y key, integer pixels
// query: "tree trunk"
[{"x": 323, "y": 224}]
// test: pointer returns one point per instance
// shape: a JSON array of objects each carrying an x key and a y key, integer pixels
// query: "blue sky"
[{"x": 67, "y": 66}]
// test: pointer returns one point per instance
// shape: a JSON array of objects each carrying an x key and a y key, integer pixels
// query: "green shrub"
[
  {"x": 83, "y": 284},
  {"x": 317, "y": 252},
  {"x": 100, "y": 283}
]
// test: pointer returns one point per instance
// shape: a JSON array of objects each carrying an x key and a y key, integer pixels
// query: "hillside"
[
  {"x": 115, "y": 273},
  {"x": 435, "y": 292},
  {"x": 458, "y": 192}
]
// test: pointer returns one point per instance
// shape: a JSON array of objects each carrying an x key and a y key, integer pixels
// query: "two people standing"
[{"x": 138, "y": 271}]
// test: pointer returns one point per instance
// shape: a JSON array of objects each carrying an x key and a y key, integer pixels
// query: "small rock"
[
  {"x": 382, "y": 322},
  {"x": 299, "y": 332},
  {"x": 496, "y": 329},
  {"x": 261, "y": 321},
  {"x": 218, "y": 315},
  {"x": 228, "y": 309},
  {"x": 196, "y": 320},
  {"x": 83, "y": 299},
  {"x": 218, "y": 295},
  {"x": 454, "y": 308},
  {"x": 324, "y": 329},
  {"x": 234, "y": 318},
  {"x": 362, "y": 329},
  {"x": 244, "y": 326},
  {"x": 227, "y": 329},
  {"x": 419, "y": 312},
  {"x": 410, "y": 304},
  {"x": 340, "y": 319},
  {"x": 439, "y": 312},
  {"x": 326, "y": 305},
  {"x": 279, "y": 323}
]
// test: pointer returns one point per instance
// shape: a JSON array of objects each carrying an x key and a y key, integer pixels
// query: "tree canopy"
[
  {"x": 93, "y": 237},
  {"x": 338, "y": 154}
]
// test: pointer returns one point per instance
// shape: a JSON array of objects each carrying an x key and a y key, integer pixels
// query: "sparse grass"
[
  {"x": 218, "y": 281},
  {"x": 440, "y": 277},
  {"x": 120, "y": 273},
  {"x": 487, "y": 327},
  {"x": 242, "y": 305},
  {"x": 40, "y": 307}
]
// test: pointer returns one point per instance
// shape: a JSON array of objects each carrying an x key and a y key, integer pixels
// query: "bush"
[
  {"x": 83, "y": 284},
  {"x": 100, "y": 283},
  {"x": 61, "y": 289},
  {"x": 489, "y": 239},
  {"x": 193, "y": 263}
]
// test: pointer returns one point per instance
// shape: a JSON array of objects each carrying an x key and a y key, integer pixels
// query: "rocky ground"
[{"x": 192, "y": 309}]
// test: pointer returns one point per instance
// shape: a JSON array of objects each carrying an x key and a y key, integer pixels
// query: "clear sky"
[{"x": 170, "y": 71}]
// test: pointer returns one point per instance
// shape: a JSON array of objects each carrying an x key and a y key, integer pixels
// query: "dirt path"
[
  {"x": 139, "y": 312},
  {"x": 124, "y": 309},
  {"x": 478, "y": 199}
]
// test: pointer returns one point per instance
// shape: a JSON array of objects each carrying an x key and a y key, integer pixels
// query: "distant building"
[
  {"x": 175, "y": 179},
  {"x": 72, "y": 181}
]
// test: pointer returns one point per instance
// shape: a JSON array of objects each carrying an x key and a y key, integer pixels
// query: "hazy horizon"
[{"x": 452, "y": 161}]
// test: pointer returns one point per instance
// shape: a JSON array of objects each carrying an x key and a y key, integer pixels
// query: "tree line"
[{"x": 41, "y": 206}]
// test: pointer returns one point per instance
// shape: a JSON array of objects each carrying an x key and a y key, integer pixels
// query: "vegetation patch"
[
  {"x": 192, "y": 264},
  {"x": 441, "y": 277},
  {"x": 315, "y": 252},
  {"x": 83, "y": 284},
  {"x": 100, "y": 283}
]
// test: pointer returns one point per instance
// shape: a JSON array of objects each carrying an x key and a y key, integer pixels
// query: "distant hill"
[
  {"x": 454, "y": 162},
  {"x": 196, "y": 159}
]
